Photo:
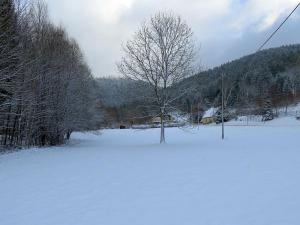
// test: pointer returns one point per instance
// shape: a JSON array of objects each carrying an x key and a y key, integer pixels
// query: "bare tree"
[{"x": 161, "y": 54}]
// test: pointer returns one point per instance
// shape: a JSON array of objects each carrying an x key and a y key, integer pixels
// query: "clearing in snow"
[{"x": 123, "y": 177}]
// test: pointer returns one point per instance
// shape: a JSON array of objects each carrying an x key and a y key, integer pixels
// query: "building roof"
[{"x": 210, "y": 112}]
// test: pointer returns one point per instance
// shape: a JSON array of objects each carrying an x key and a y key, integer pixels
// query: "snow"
[
  {"x": 123, "y": 177},
  {"x": 293, "y": 110},
  {"x": 210, "y": 112}
]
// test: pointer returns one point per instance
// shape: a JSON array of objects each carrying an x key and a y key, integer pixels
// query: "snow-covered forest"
[{"x": 47, "y": 90}]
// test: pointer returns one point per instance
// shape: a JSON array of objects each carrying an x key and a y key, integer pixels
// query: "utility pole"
[
  {"x": 191, "y": 114},
  {"x": 198, "y": 119},
  {"x": 222, "y": 106}
]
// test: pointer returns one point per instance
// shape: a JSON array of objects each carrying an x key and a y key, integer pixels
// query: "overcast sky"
[{"x": 226, "y": 29}]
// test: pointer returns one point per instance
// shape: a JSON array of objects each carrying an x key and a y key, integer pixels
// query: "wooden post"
[{"x": 198, "y": 115}]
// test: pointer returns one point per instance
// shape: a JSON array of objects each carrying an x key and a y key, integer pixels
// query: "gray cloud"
[{"x": 226, "y": 29}]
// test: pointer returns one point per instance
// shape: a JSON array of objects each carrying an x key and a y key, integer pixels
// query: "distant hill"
[
  {"x": 122, "y": 100},
  {"x": 254, "y": 84},
  {"x": 270, "y": 76}
]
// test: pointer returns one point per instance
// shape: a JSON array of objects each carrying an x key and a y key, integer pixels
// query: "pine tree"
[
  {"x": 7, "y": 22},
  {"x": 267, "y": 112},
  {"x": 8, "y": 41},
  {"x": 218, "y": 116}
]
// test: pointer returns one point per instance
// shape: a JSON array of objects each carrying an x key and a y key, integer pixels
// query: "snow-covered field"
[{"x": 123, "y": 177}]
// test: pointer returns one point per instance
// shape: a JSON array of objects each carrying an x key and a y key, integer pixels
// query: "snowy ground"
[{"x": 123, "y": 177}]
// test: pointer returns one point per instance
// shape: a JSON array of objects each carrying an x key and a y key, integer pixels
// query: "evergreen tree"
[
  {"x": 218, "y": 116},
  {"x": 267, "y": 111}
]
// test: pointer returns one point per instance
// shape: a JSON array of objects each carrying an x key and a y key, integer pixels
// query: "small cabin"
[
  {"x": 167, "y": 118},
  {"x": 207, "y": 120},
  {"x": 209, "y": 116}
]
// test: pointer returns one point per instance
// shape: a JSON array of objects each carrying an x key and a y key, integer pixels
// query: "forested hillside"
[
  {"x": 123, "y": 101},
  {"x": 269, "y": 77},
  {"x": 46, "y": 87},
  {"x": 253, "y": 84}
]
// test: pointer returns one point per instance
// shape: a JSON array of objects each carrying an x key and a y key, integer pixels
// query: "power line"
[
  {"x": 270, "y": 37},
  {"x": 260, "y": 48}
]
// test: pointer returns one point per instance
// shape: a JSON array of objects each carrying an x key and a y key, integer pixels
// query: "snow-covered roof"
[{"x": 210, "y": 112}]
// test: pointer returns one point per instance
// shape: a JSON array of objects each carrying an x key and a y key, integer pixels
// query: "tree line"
[{"x": 47, "y": 90}]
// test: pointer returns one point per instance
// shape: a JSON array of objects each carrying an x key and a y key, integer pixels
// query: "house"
[
  {"x": 208, "y": 116},
  {"x": 156, "y": 120}
]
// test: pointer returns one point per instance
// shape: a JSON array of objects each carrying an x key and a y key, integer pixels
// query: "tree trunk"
[
  {"x": 13, "y": 131},
  {"x": 7, "y": 127},
  {"x": 162, "y": 127}
]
